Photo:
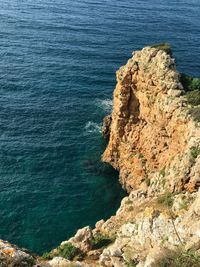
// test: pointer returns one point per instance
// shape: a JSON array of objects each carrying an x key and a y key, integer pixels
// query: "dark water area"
[{"x": 57, "y": 74}]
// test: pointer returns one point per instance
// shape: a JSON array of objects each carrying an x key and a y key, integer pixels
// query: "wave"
[
  {"x": 93, "y": 127},
  {"x": 105, "y": 104}
]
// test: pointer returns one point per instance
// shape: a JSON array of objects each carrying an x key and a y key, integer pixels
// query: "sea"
[{"x": 58, "y": 60}]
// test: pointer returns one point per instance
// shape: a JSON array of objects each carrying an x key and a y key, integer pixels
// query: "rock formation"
[
  {"x": 154, "y": 143},
  {"x": 151, "y": 132}
]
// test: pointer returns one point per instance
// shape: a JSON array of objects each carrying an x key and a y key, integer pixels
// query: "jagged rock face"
[
  {"x": 151, "y": 131},
  {"x": 12, "y": 256},
  {"x": 82, "y": 239},
  {"x": 106, "y": 126}
]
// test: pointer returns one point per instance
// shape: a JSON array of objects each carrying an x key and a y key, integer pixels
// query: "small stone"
[{"x": 59, "y": 262}]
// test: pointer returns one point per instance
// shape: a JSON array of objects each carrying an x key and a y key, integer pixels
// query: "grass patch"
[
  {"x": 166, "y": 199},
  {"x": 101, "y": 241},
  {"x": 47, "y": 256},
  {"x": 180, "y": 258},
  {"x": 163, "y": 46},
  {"x": 67, "y": 251}
]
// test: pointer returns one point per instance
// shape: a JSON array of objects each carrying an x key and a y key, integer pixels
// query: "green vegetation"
[
  {"x": 101, "y": 241},
  {"x": 47, "y": 256},
  {"x": 162, "y": 172},
  {"x": 140, "y": 156},
  {"x": 184, "y": 204},
  {"x": 189, "y": 83},
  {"x": 193, "y": 97},
  {"x": 163, "y": 46},
  {"x": 164, "y": 240},
  {"x": 195, "y": 113},
  {"x": 180, "y": 258},
  {"x": 147, "y": 181},
  {"x": 195, "y": 152},
  {"x": 192, "y": 87},
  {"x": 129, "y": 264},
  {"x": 67, "y": 251},
  {"x": 128, "y": 202},
  {"x": 166, "y": 199}
]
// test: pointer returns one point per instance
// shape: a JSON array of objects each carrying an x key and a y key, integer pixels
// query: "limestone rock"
[
  {"x": 151, "y": 134},
  {"x": 82, "y": 239},
  {"x": 58, "y": 262},
  {"x": 61, "y": 262},
  {"x": 12, "y": 256}
]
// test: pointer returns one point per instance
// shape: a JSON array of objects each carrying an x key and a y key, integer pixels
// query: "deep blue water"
[{"x": 57, "y": 72}]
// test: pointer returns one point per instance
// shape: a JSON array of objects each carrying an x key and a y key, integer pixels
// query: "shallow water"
[{"x": 57, "y": 65}]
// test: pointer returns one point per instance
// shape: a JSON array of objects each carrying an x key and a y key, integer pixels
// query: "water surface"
[{"x": 57, "y": 73}]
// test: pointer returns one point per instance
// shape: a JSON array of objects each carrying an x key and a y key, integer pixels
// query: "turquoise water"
[{"x": 57, "y": 73}]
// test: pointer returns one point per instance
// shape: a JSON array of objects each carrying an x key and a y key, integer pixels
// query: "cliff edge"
[{"x": 152, "y": 132}]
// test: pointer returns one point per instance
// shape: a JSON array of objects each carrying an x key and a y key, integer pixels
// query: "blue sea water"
[{"x": 57, "y": 73}]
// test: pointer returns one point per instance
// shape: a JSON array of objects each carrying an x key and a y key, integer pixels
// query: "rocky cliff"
[
  {"x": 154, "y": 142},
  {"x": 152, "y": 133}
]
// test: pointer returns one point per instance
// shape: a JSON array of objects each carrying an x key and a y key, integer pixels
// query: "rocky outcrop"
[
  {"x": 82, "y": 240},
  {"x": 154, "y": 143},
  {"x": 152, "y": 134},
  {"x": 12, "y": 256}
]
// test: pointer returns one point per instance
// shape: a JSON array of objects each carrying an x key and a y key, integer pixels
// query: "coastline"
[{"x": 154, "y": 142}]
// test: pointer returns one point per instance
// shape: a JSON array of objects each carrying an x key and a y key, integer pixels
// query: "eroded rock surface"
[
  {"x": 12, "y": 256},
  {"x": 152, "y": 133}
]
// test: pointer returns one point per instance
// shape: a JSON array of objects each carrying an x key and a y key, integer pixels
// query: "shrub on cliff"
[
  {"x": 195, "y": 152},
  {"x": 189, "y": 83},
  {"x": 192, "y": 87},
  {"x": 67, "y": 251},
  {"x": 193, "y": 97},
  {"x": 101, "y": 241},
  {"x": 195, "y": 112},
  {"x": 166, "y": 199}
]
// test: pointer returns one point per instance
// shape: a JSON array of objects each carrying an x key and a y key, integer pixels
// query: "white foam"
[
  {"x": 105, "y": 104},
  {"x": 93, "y": 127}
]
